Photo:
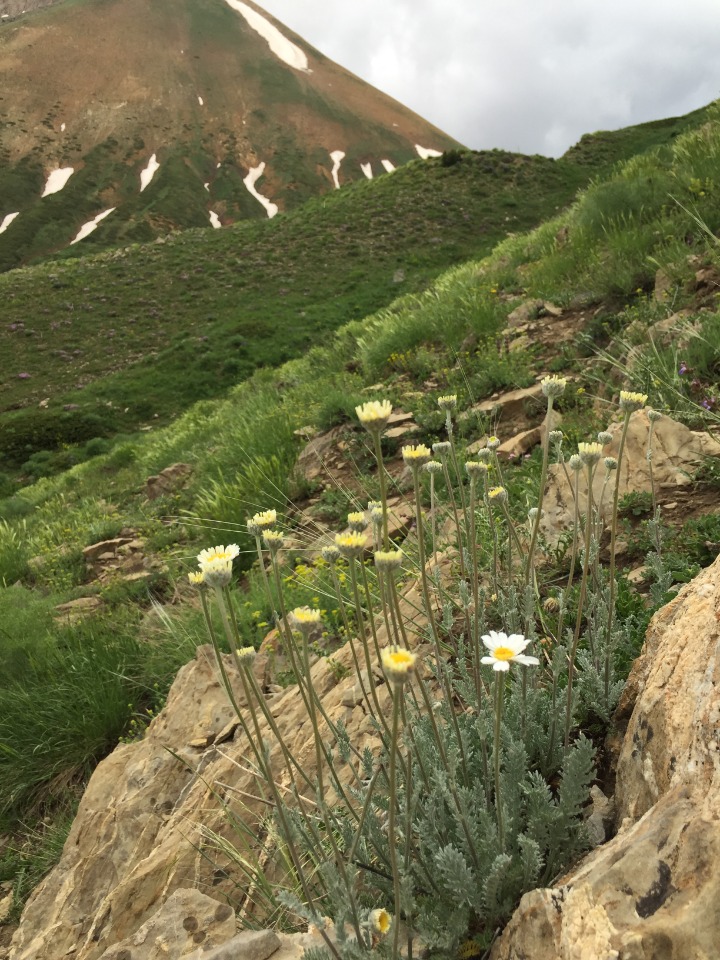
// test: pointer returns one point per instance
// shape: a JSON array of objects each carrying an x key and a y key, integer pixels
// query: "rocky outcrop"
[
  {"x": 156, "y": 811},
  {"x": 652, "y": 892},
  {"x": 677, "y": 452}
]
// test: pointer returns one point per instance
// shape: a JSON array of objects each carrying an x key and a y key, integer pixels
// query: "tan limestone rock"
[
  {"x": 145, "y": 823},
  {"x": 185, "y": 921},
  {"x": 677, "y": 452},
  {"x": 653, "y": 891},
  {"x": 171, "y": 478}
]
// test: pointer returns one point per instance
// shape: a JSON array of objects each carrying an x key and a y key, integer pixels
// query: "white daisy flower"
[{"x": 505, "y": 650}]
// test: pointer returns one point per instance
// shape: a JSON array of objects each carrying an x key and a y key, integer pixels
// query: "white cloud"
[{"x": 531, "y": 75}]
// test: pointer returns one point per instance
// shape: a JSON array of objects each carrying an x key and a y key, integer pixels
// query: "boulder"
[
  {"x": 677, "y": 452},
  {"x": 652, "y": 892},
  {"x": 155, "y": 815},
  {"x": 170, "y": 479}
]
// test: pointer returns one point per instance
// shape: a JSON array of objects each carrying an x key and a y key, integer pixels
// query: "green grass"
[{"x": 131, "y": 337}]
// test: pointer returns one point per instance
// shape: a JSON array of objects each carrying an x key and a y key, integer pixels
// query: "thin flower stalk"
[
  {"x": 552, "y": 391},
  {"x": 581, "y": 604},
  {"x": 499, "y": 700},
  {"x": 429, "y": 611},
  {"x": 613, "y": 536},
  {"x": 472, "y": 536},
  {"x": 392, "y": 813},
  {"x": 359, "y": 613},
  {"x": 453, "y": 507}
]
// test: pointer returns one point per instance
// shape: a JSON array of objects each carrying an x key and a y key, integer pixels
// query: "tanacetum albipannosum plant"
[{"x": 471, "y": 685}]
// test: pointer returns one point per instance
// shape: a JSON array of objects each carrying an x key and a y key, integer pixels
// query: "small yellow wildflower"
[
  {"x": 374, "y": 414},
  {"x": 498, "y": 494},
  {"x": 380, "y": 921},
  {"x": 196, "y": 577},
  {"x": 590, "y": 453},
  {"x": 218, "y": 553},
  {"x": 356, "y": 521},
  {"x": 388, "y": 559},
  {"x": 398, "y": 663},
  {"x": 305, "y": 618},
  {"x": 351, "y": 544},
  {"x": 261, "y": 521},
  {"x": 415, "y": 455},
  {"x": 630, "y": 401}
]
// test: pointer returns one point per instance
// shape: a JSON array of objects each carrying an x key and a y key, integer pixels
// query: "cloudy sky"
[{"x": 526, "y": 75}]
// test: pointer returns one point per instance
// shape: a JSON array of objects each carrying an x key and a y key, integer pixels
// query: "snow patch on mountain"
[
  {"x": 426, "y": 152},
  {"x": 57, "y": 180},
  {"x": 7, "y": 220},
  {"x": 87, "y": 228},
  {"x": 250, "y": 181},
  {"x": 149, "y": 172},
  {"x": 337, "y": 157},
  {"x": 388, "y": 165},
  {"x": 283, "y": 48},
  {"x": 367, "y": 170},
  {"x": 215, "y": 220},
  {"x": 201, "y": 101}
]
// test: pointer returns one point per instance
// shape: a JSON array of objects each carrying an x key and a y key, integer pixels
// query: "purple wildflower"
[
  {"x": 683, "y": 368},
  {"x": 23, "y": 376}
]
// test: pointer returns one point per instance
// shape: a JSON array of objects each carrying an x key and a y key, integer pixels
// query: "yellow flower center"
[
  {"x": 400, "y": 658},
  {"x": 503, "y": 653}
]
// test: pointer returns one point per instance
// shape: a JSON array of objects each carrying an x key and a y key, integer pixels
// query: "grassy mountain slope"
[
  {"x": 133, "y": 336},
  {"x": 242, "y": 449}
]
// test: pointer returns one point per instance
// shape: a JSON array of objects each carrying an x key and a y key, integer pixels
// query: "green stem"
[
  {"x": 499, "y": 700},
  {"x": 541, "y": 497}
]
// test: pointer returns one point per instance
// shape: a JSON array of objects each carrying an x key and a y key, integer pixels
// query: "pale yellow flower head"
[
  {"x": 380, "y": 921},
  {"x": 246, "y": 654},
  {"x": 498, "y": 494},
  {"x": 262, "y": 521},
  {"x": 630, "y": 401},
  {"x": 388, "y": 559},
  {"x": 448, "y": 402},
  {"x": 221, "y": 552},
  {"x": 415, "y": 455},
  {"x": 493, "y": 443},
  {"x": 216, "y": 572},
  {"x": 356, "y": 521},
  {"x": 351, "y": 544},
  {"x": 590, "y": 453},
  {"x": 475, "y": 469},
  {"x": 305, "y": 619},
  {"x": 197, "y": 577},
  {"x": 398, "y": 663},
  {"x": 374, "y": 414},
  {"x": 553, "y": 387},
  {"x": 273, "y": 540}
]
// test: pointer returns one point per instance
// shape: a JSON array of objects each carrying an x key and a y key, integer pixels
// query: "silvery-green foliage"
[{"x": 662, "y": 578}]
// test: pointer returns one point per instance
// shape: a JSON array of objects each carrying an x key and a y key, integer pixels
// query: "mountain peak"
[{"x": 174, "y": 114}]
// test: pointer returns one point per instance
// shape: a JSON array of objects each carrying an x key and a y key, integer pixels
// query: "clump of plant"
[{"x": 476, "y": 791}]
